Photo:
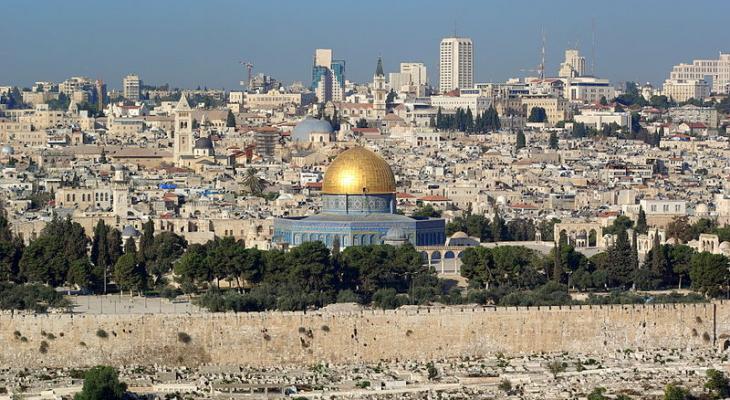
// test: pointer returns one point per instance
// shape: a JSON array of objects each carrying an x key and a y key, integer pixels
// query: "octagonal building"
[{"x": 358, "y": 208}]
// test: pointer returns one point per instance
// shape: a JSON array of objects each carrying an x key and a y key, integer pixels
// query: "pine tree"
[
  {"x": 146, "y": 242},
  {"x": 621, "y": 269},
  {"x": 130, "y": 274}
]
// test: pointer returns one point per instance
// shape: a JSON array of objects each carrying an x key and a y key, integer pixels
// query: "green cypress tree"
[
  {"x": 641, "y": 225},
  {"x": 521, "y": 141},
  {"x": 557, "y": 263},
  {"x": 553, "y": 141}
]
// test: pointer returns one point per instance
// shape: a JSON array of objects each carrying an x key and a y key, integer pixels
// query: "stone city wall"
[{"x": 275, "y": 338}]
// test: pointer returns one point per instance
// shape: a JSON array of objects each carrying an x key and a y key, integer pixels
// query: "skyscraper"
[
  {"x": 573, "y": 66},
  {"x": 456, "y": 64},
  {"x": 132, "y": 87},
  {"x": 328, "y": 76},
  {"x": 338, "y": 80}
]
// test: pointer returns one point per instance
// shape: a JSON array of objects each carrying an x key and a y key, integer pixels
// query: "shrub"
[
  {"x": 34, "y": 297},
  {"x": 363, "y": 384},
  {"x": 44, "y": 347},
  {"x": 432, "y": 371},
  {"x": 348, "y": 296},
  {"x": 184, "y": 337},
  {"x": 556, "y": 367},
  {"x": 76, "y": 373},
  {"x": 325, "y": 328},
  {"x": 505, "y": 385},
  {"x": 100, "y": 333},
  {"x": 169, "y": 292},
  {"x": 388, "y": 299}
]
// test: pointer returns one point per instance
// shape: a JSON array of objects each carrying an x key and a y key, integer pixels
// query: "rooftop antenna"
[
  {"x": 593, "y": 46},
  {"x": 542, "y": 59}
]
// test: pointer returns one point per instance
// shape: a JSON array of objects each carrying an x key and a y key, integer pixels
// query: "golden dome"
[{"x": 358, "y": 171}]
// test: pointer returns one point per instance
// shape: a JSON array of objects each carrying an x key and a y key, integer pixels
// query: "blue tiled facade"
[{"x": 356, "y": 220}]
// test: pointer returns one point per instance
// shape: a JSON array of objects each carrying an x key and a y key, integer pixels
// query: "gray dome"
[
  {"x": 7, "y": 150},
  {"x": 204, "y": 143},
  {"x": 129, "y": 231},
  {"x": 396, "y": 233},
  {"x": 310, "y": 125}
]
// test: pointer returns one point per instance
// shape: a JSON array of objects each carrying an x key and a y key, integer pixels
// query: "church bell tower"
[
  {"x": 379, "y": 91},
  {"x": 183, "y": 144}
]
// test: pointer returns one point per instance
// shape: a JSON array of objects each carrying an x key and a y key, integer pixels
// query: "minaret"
[
  {"x": 379, "y": 91},
  {"x": 120, "y": 195},
  {"x": 183, "y": 144}
]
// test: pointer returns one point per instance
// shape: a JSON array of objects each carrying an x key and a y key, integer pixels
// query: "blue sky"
[{"x": 188, "y": 43}]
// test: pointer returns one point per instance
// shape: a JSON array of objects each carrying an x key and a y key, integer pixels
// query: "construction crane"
[
  {"x": 540, "y": 67},
  {"x": 249, "y": 68}
]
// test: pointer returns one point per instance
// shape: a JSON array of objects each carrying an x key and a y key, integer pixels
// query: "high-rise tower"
[
  {"x": 573, "y": 66},
  {"x": 456, "y": 64}
]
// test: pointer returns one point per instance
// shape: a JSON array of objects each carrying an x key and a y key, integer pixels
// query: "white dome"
[
  {"x": 396, "y": 233},
  {"x": 310, "y": 125}
]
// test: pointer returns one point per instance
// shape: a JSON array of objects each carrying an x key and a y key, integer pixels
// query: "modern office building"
[
  {"x": 328, "y": 77},
  {"x": 456, "y": 64},
  {"x": 718, "y": 71},
  {"x": 588, "y": 89},
  {"x": 132, "y": 87},
  {"x": 416, "y": 71},
  {"x": 337, "y": 67},
  {"x": 684, "y": 89}
]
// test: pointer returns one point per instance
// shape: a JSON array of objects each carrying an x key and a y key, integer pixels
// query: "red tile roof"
[{"x": 434, "y": 198}]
